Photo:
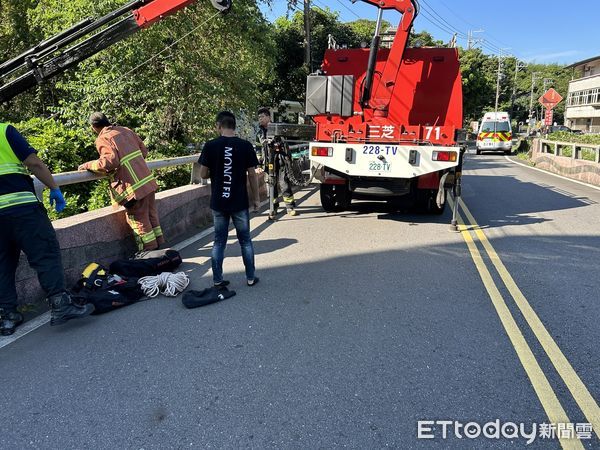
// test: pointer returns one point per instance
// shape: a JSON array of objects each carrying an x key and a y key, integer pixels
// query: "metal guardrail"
[
  {"x": 574, "y": 152},
  {"x": 67, "y": 178}
]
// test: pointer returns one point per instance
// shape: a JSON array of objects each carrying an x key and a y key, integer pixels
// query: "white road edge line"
[
  {"x": 27, "y": 328},
  {"x": 554, "y": 174},
  {"x": 43, "y": 319}
]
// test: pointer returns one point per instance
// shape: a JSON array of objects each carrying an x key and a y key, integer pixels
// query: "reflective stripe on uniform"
[
  {"x": 131, "y": 189},
  {"x": 8, "y": 168},
  {"x": 17, "y": 198},
  {"x": 126, "y": 162},
  {"x": 131, "y": 156},
  {"x": 158, "y": 231},
  {"x": 141, "y": 238},
  {"x": 148, "y": 237},
  {"x": 136, "y": 231}
]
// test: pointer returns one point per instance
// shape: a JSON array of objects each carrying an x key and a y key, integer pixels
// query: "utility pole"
[
  {"x": 452, "y": 43},
  {"x": 471, "y": 40},
  {"x": 533, "y": 80},
  {"x": 518, "y": 66},
  {"x": 307, "y": 27},
  {"x": 500, "y": 66}
]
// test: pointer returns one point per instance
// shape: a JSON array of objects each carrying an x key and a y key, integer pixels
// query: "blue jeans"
[{"x": 241, "y": 221}]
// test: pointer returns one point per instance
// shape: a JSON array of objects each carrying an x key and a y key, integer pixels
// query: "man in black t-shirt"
[{"x": 231, "y": 162}]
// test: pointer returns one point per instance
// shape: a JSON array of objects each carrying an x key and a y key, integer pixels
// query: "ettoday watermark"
[{"x": 448, "y": 429}]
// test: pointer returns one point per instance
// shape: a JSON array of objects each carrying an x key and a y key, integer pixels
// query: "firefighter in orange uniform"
[{"x": 132, "y": 184}]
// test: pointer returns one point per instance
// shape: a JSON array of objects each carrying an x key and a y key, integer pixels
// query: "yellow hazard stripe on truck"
[{"x": 497, "y": 137}]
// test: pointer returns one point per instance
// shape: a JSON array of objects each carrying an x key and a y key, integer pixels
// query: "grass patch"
[
  {"x": 566, "y": 151},
  {"x": 564, "y": 136},
  {"x": 588, "y": 154}
]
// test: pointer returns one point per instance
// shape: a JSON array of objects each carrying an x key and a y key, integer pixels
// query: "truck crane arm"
[
  {"x": 409, "y": 11},
  {"x": 56, "y": 54}
]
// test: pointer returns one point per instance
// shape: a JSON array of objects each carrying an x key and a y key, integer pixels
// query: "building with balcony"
[{"x": 583, "y": 101}]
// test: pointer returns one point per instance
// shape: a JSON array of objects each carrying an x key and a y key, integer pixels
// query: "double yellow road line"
[{"x": 471, "y": 232}]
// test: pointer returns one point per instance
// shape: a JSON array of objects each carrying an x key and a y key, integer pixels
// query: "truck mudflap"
[{"x": 382, "y": 160}]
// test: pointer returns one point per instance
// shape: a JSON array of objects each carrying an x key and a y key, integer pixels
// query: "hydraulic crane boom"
[
  {"x": 408, "y": 9},
  {"x": 47, "y": 59}
]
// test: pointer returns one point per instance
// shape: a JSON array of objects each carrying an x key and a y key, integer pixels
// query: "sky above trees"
[{"x": 540, "y": 31}]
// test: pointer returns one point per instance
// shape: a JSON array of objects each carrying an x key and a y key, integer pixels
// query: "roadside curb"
[{"x": 553, "y": 174}]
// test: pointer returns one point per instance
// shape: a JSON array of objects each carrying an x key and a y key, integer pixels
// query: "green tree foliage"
[
  {"x": 166, "y": 82},
  {"x": 365, "y": 28},
  {"x": 290, "y": 71},
  {"x": 479, "y": 83},
  {"x": 479, "y": 72},
  {"x": 423, "y": 39}
]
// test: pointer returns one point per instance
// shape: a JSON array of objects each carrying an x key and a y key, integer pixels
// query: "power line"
[
  {"x": 490, "y": 36},
  {"x": 430, "y": 10},
  {"x": 438, "y": 24},
  {"x": 349, "y": 9}
]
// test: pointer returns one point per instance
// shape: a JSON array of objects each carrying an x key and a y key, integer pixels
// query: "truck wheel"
[
  {"x": 478, "y": 152},
  {"x": 335, "y": 197},
  {"x": 508, "y": 152},
  {"x": 327, "y": 197}
]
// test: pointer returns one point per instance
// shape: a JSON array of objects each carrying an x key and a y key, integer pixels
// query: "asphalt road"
[{"x": 363, "y": 324}]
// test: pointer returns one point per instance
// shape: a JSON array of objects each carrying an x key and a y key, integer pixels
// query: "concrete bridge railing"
[
  {"x": 574, "y": 160},
  {"x": 103, "y": 235}
]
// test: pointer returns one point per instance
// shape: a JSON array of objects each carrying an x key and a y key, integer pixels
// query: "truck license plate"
[
  {"x": 386, "y": 150},
  {"x": 377, "y": 166}
]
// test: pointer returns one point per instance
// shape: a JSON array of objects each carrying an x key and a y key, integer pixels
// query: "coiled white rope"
[{"x": 168, "y": 284}]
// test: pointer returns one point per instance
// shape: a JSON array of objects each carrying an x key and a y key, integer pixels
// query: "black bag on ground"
[
  {"x": 151, "y": 263},
  {"x": 195, "y": 299},
  {"x": 112, "y": 294}
]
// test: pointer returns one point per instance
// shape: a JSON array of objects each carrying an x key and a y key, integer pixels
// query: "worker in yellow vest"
[
  {"x": 25, "y": 227},
  {"x": 132, "y": 185}
]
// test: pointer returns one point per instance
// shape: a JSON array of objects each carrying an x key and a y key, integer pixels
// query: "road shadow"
[
  {"x": 505, "y": 200},
  {"x": 480, "y": 162},
  {"x": 377, "y": 340}
]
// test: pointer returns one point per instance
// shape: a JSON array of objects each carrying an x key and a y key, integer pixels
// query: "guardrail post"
[{"x": 556, "y": 149}]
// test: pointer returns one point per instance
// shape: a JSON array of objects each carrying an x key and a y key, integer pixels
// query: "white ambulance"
[{"x": 495, "y": 133}]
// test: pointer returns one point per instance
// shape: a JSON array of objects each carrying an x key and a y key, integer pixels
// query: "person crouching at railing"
[{"x": 132, "y": 185}]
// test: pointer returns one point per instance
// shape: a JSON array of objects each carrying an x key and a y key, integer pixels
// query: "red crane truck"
[{"x": 387, "y": 120}]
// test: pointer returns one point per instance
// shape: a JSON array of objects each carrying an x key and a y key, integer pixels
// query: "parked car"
[{"x": 555, "y": 128}]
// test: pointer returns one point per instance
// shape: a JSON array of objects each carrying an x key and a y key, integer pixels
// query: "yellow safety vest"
[{"x": 9, "y": 165}]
